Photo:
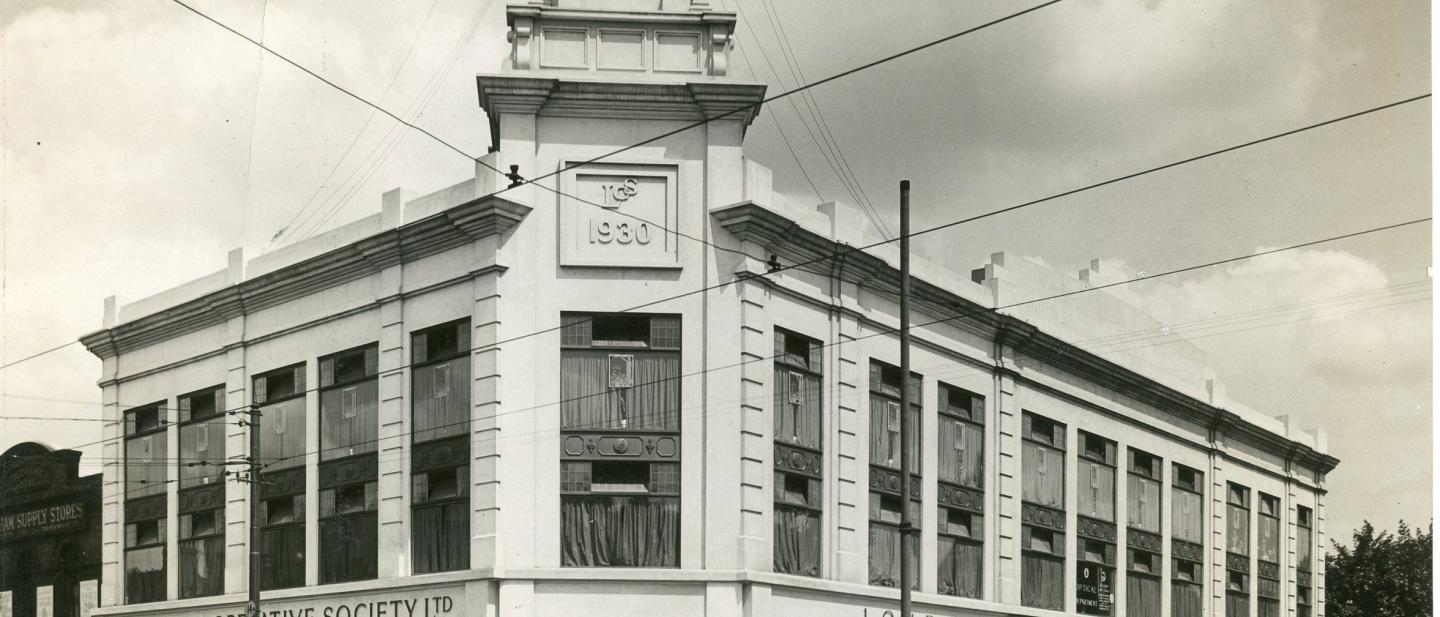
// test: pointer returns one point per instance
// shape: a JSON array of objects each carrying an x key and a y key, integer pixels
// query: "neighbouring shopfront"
[{"x": 49, "y": 534}]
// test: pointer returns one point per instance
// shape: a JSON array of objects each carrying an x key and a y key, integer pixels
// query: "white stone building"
[{"x": 590, "y": 396}]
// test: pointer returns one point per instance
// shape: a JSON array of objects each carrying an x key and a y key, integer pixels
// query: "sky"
[{"x": 139, "y": 143}]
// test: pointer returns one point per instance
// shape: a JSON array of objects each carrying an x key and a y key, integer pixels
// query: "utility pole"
[
  {"x": 252, "y": 607},
  {"x": 906, "y": 532}
]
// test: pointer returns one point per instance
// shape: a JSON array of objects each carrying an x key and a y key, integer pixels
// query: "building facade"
[
  {"x": 590, "y": 394},
  {"x": 49, "y": 534}
]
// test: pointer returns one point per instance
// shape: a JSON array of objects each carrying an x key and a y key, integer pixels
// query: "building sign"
[
  {"x": 1093, "y": 595},
  {"x": 427, "y": 602},
  {"x": 40, "y": 521},
  {"x": 620, "y": 215}
]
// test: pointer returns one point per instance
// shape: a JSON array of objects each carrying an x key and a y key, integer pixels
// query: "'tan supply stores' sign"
[
  {"x": 41, "y": 521},
  {"x": 424, "y": 602},
  {"x": 1093, "y": 595}
]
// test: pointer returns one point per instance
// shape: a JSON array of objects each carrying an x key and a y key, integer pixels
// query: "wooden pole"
[{"x": 906, "y": 532}]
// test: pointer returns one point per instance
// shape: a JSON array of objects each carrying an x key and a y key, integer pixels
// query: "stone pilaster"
[
  {"x": 1322, "y": 540},
  {"x": 1002, "y": 516},
  {"x": 757, "y": 345},
  {"x": 1215, "y": 583},
  {"x": 112, "y": 452},
  {"x": 852, "y": 492},
  {"x": 1120, "y": 583},
  {"x": 312, "y": 472},
  {"x": 1072, "y": 510},
  {"x": 237, "y": 448},
  {"x": 484, "y": 430},
  {"x": 394, "y": 435},
  {"x": 171, "y": 414}
]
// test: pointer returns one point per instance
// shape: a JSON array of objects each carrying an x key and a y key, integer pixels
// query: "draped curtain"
[
  {"x": 1142, "y": 596},
  {"x": 1269, "y": 608},
  {"x": 797, "y": 422},
  {"x": 282, "y": 434},
  {"x": 202, "y": 442},
  {"x": 962, "y": 446},
  {"x": 1237, "y": 530},
  {"x": 441, "y": 399},
  {"x": 587, "y": 402},
  {"x": 885, "y": 557},
  {"x": 1096, "y": 484},
  {"x": 202, "y": 567},
  {"x": 145, "y": 465},
  {"x": 1185, "y": 600},
  {"x": 145, "y": 575},
  {"x": 1187, "y": 520},
  {"x": 885, "y": 433},
  {"x": 1269, "y": 539},
  {"x": 1042, "y": 581},
  {"x": 349, "y": 420},
  {"x": 960, "y": 566},
  {"x": 1144, "y": 507},
  {"x": 620, "y": 531},
  {"x": 797, "y": 541},
  {"x": 1043, "y": 476},
  {"x": 348, "y": 548},
  {"x": 441, "y": 537},
  {"x": 1237, "y": 605},
  {"x": 1304, "y": 549},
  {"x": 283, "y": 549}
]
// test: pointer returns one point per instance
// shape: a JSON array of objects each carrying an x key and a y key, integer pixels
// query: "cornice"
[
  {"x": 749, "y": 221},
  {"x": 457, "y": 226}
]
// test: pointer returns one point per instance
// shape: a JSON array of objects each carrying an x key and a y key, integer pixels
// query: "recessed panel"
[
  {"x": 564, "y": 48},
  {"x": 677, "y": 51},
  {"x": 619, "y": 215},
  {"x": 622, "y": 49}
]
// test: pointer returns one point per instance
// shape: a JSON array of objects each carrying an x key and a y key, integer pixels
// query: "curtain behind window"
[
  {"x": 1304, "y": 549},
  {"x": 620, "y": 531},
  {"x": 1144, "y": 496},
  {"x": 962, "y": 446},
  {"x": 348, "y": 548},
  {"x": 797, "y": 541},
  {"x": 1043, "y": 476},
  {"x": 202, "y": 567},
  {"x": 1042, "y": 581},
  {"x": 1237, "y": 605},
  {"x": 1142, "y": 596},
  {"x": 441, "y": 399},
  {"x": 1269, "y": 539},
  {"x": 202, "y": 442},
  {"x": 145, "y": 465},
  {"x": 797, "y": 424},
  {"x": 283, "y": 549},
  {"x": 145, "y": 574},
  {"x": 1096, "y": 484},
  {"x": 1185, "y": 600},
  {"x": 1237, "y": 530},
  {"x": 1269, "y": 608},
  {"x": 282, "y": 434},
  {"x": 885, "y": 433},
  {"x": 441, "y": 537},
  {"x": 960, "y": 567},
  {"x": 349, "y": 420},
  {"x": 885, "y": 557},
  {"x": 1187, "y": 520},
  {"x": 589, "y": 403}
]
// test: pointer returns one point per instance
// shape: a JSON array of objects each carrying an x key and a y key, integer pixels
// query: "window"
[
  {"x": 145, "y": 466},
  {"x": 1187, "y": 529},
  {"x": 620, "y": 391},
  {"x": 1143, "y": 554},
  {"x": 798, "y": 452},
  {"x": 349, "y": 425},
  {"x": 145, "y": 550},
  {"x": 962, "y": 484},
  {"x": 1095, "y": 488},
  {"x": 281, "y": 537},
  {"x": 202, "y": 429},
  {"x": 886, "y": 491},
  {"x": 1268, "y": 567},
  {"x": 1237, "y": 550},
  {"x": 1042, "y": 564},
  {"x": 202, "y": 542},
  {"x": 440, "y": 454},
  {"x": 1304, "y": 560}
]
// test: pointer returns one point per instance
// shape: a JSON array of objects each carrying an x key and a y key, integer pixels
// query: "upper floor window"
[
  {"x": 281, "y": 395},
  {"x": 1044, "y": 462},
  {"x": 1144, "y": 491},
  {"x": 202, "y": 436},
  {"x": 145, "y": 451},
  {"x": 798, "y": 486},
  {"x": 440, "y": 381},
  {"x": 620, "y": 372},
  {"x": 1097, "y": 477},
  {"x": 1237, "y": 534},
  {"x": 1042, "y": 564},
  {"x": 349, "y": 403},
  {"x": 797, "y": 390},
  {"x": 962, "y": 437},
  {"x": 885, "y": 384}
]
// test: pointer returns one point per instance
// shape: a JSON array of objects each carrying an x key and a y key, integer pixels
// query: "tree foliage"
[{"x": 1381, "y": 575}]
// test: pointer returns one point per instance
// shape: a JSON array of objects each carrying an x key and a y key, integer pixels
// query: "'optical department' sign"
[{"x": 403, "y": 603}]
